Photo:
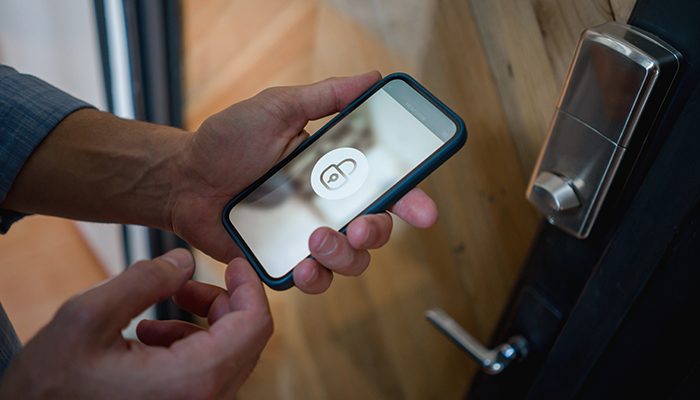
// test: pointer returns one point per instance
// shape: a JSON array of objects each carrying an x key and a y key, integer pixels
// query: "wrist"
[
  {"x": 94, "y": 166},
  {"x": 158, "y": 182},
  {"x": 174, "y": 175}
]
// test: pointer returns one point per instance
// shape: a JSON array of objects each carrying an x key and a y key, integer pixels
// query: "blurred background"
[{"x": 497, "y": 63}]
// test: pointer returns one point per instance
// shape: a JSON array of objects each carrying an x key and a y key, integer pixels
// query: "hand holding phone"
[
  {"x": 366, "y": 158},
  {"x": 233, "y": 148}
]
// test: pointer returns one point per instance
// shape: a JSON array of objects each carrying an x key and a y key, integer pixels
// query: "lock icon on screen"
[
  {"x": 339, "y": 173},
  {"x": 335, "y": 176}
]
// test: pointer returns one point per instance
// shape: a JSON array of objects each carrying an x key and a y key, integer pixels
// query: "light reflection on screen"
[{"x": 278, "y": 217}]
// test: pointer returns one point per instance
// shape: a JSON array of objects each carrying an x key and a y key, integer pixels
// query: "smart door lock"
[{"x": 617, "y": 83}]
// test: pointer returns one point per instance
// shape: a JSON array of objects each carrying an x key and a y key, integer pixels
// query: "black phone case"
[{"x": 383, "y": 202}]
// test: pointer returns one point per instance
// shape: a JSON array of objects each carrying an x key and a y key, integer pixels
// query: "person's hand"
[
  {"x": 82, "y": 354},
  {"x": 238, "y": 145}
]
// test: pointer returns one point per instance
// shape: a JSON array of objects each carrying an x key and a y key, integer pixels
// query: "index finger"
[
  {"x": 245, "y": 288},
  {"x": 241, "y": 334},
  {"x": 113, "y": 304}
]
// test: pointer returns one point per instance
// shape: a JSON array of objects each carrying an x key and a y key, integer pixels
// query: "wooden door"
[{"x": 499, "y": 64}]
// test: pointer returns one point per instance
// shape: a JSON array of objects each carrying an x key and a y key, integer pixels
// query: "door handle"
[{"x": 492, "y": 361}]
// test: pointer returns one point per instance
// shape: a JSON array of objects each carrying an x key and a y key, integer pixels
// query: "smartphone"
[{"x": 362, "y": 161}]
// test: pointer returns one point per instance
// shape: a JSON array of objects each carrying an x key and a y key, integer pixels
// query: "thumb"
[
  {"x": 296, "y": 105},
  {"x": 329, "y": 96},
  {"x": 113, "y": 304}
]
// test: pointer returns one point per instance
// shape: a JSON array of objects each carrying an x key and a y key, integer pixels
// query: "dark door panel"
[{"x": 612, "y": 315}]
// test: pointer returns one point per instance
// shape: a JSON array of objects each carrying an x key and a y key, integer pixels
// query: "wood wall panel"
[
  {"x": 529, "y": 45},
  {"x": 523, "y": 75}
]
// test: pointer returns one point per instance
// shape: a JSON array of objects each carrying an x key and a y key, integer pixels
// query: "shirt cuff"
[{"x": 29, "y": 110}]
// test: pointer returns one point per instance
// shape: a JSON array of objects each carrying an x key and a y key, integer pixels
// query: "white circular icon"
[{"x": 339, "y": 173}]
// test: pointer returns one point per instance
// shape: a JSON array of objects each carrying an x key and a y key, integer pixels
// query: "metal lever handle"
[{"x": 492, "y": 361}]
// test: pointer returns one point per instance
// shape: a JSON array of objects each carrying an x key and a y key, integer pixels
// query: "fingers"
[
  {"x": 370, "y": 231},
  {"x": 311, "y": 277},
  {"x": 244, "y": 286},
  {"x": 202, "y": 299},
  {"x": 296, "y": 105},
  {"x": 332, "y": 95},
  {"x": 164, "y": 333},
  {"x": 346, "y": 255},
  {"x": 333, "y": 250},
  {"x": 416, "y": 208},
  {"x": 295, "y": 142},
  {"x": 206, "y": 300},
  {"x": 238, "y": 336},
  {"x": 212, "y": 301},
  {"x": 112, "y": 305}
]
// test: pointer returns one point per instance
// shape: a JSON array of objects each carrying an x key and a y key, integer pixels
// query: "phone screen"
[{"x": 341, "y": 174}]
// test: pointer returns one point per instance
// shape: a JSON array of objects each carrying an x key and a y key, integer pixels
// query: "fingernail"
[
  {"x": 328, "y": 244},
  {"x": 180, "y": 258}
]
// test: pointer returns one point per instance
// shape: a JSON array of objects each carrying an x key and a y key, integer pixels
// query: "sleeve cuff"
[{"x": 29, "y": 110}]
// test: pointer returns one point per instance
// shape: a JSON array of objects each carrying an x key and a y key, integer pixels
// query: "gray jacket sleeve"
[{"x": 29, "y": 110}]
